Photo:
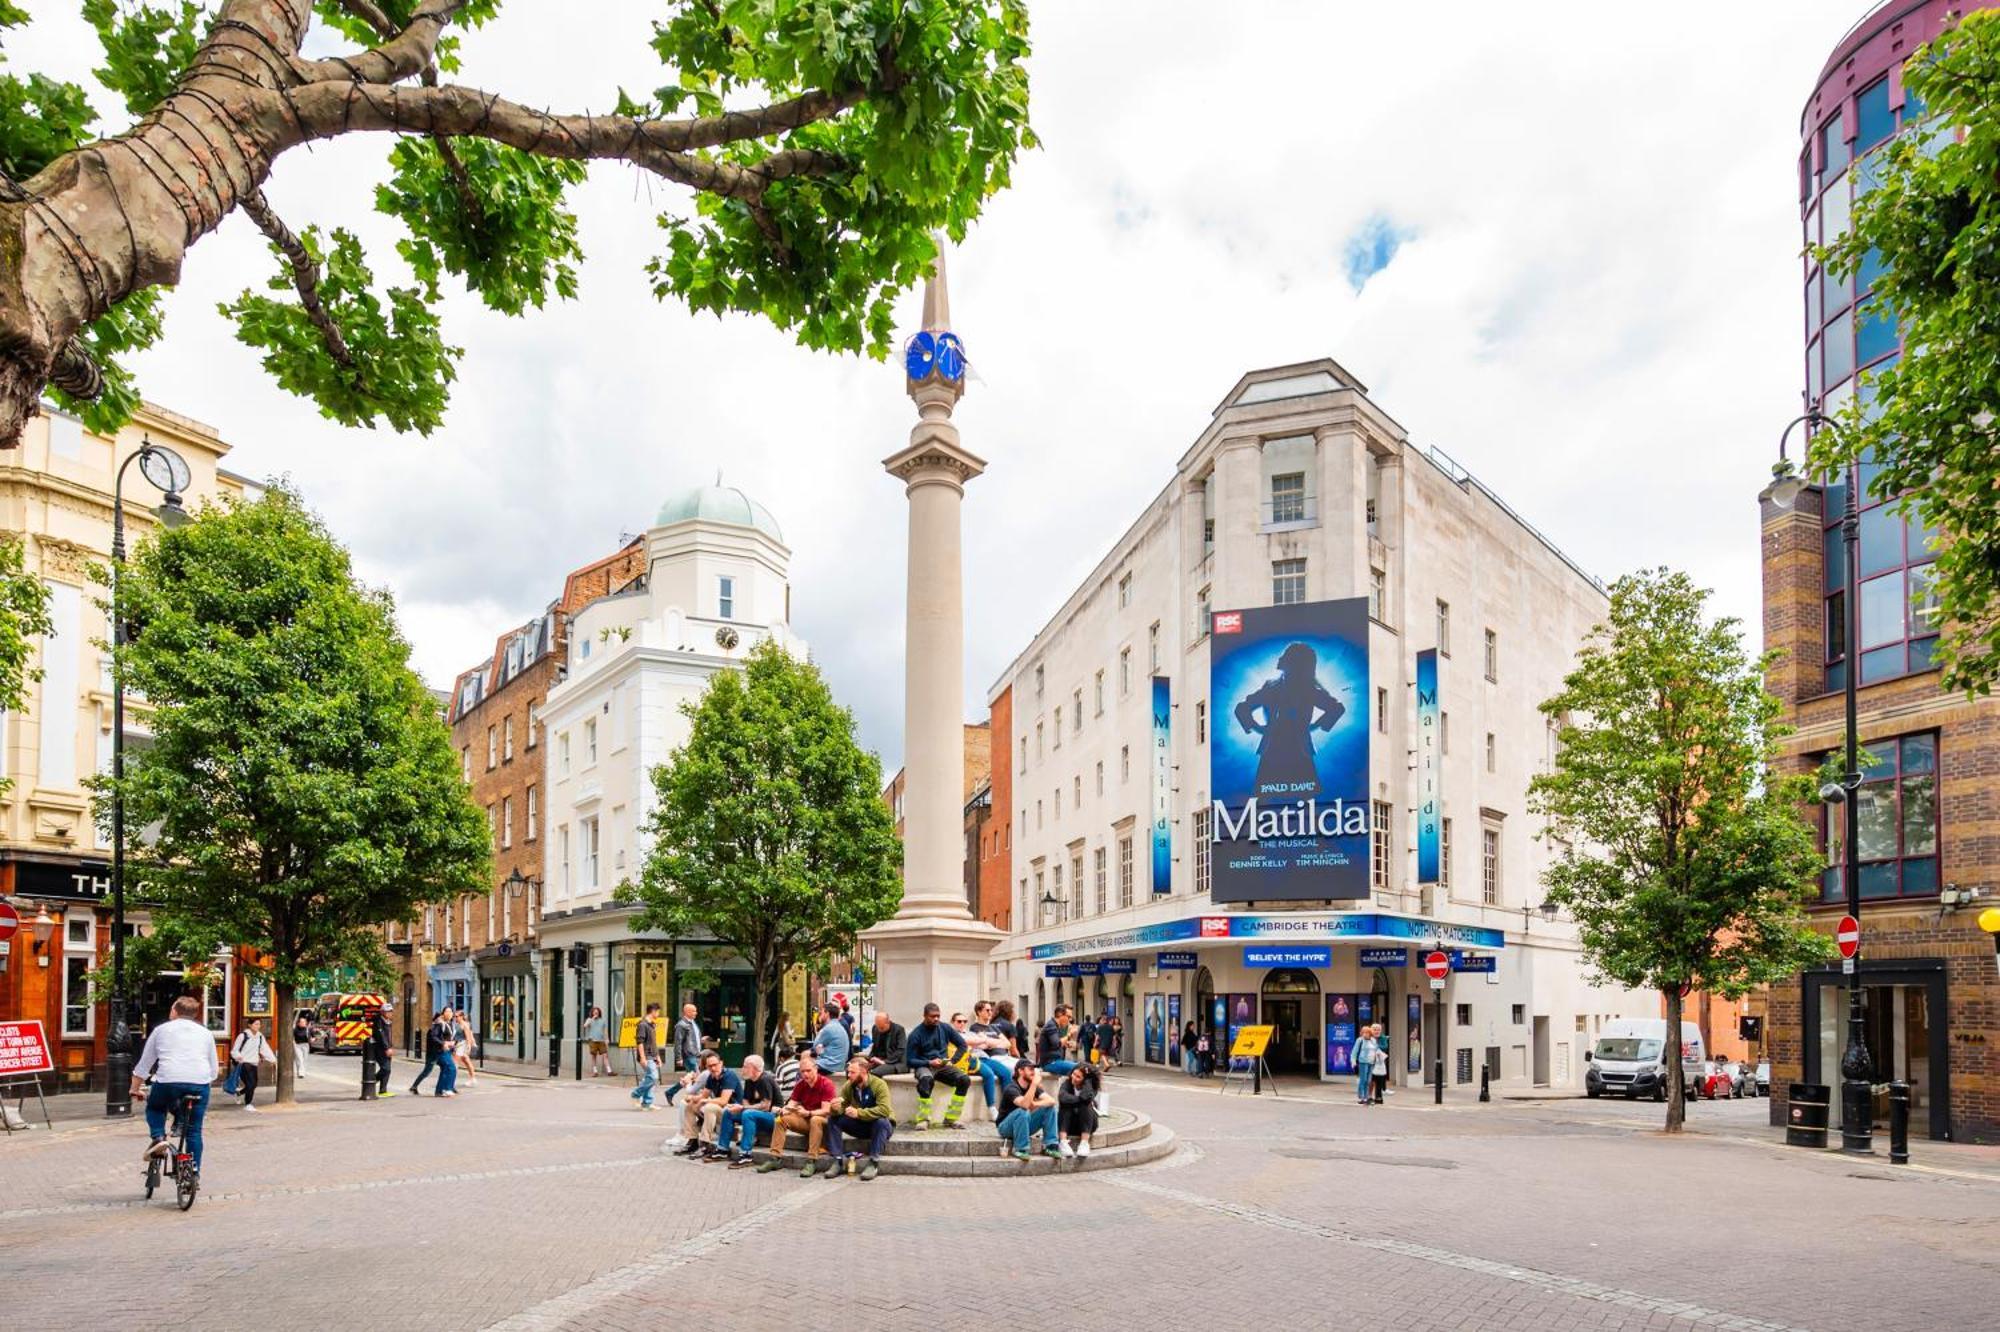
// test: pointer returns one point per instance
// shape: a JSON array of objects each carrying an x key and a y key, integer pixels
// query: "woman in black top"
[{"x": 1076, "y": 1113}]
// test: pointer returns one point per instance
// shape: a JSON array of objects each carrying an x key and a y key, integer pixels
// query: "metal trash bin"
[{"x": 1806, "y": 1115}]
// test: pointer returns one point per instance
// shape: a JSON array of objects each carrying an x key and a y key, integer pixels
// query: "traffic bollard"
[
  {"x": 1437, "y": 1084},
  {"x": 367, "y": 1074},
  {"x": 1899, "y": 1123},
  {"x": 1485, "y": 1092}
]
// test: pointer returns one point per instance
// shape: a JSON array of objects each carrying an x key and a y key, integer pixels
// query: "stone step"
[
  {"x": 1114, "y": 1128},
  {"x": 1157, "y": 1143}
]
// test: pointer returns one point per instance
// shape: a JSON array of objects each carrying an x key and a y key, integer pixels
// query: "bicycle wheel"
[
  {"x": 186, "y": 1181},
  {"x": 152, "y": 1174}
]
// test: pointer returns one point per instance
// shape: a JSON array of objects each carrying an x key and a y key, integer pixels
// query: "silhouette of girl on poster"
[{"x": 1294, "y": 706}]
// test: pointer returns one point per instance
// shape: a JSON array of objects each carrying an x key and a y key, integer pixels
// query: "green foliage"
[
  {"x": 145, "y": 47},
  {"x": 770, "y": 830},
  {"x": 24, "y": 618},
  {"x": 1931, "y": 222},
  {"x": 502, "y": 227},
  {"x": 400, "y": 366},
  {"x": 1680, "y": 850},
  {"x": 40, "y": 118},
  {"x": 304, "y": 784}
]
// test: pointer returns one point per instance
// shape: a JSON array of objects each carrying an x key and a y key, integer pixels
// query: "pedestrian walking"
[
  {"x": 249, "y": 1052},
  {"x": 594, "y": 1034},
  {"x": 301, "y": 1041},
  {"x": 647, "y": 1040},
  {"x": 464, "y": 1048},
  {"x": 437, "y": 1051},
  {"x": 784, "y": 1043},
  {"x": 375, "y": 1050}
]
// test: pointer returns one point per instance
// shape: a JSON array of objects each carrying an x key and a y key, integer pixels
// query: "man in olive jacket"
[{"x": 863, "y": 1109}]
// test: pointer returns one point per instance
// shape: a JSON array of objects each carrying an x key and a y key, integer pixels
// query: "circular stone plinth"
[{"x": 1123, "y": 1138}]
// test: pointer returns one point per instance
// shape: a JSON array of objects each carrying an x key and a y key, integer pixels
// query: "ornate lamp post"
[
  {"x": 1857, "y": 1067},
  {"x": 168, "y": 472}
]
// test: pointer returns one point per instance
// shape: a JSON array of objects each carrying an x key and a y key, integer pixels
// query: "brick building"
[
  {"x": 479, "y": 952},
  {"x": 995, "y": 847},
  {"x": 978, "y": 794},
  {"x": 1928, "y": 810}
]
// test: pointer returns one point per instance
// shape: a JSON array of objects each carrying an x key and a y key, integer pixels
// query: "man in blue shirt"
[
  {"x": 713, "y": 1092},
  {"x": 931, "y": 1053},
  {"x": 831, "y": 1046}
]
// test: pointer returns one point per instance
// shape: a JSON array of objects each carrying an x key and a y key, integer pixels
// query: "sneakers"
[
  {"x": 1053, "y": 1152},
  {"x": 158, "y": 1147},
  {"x": 1083, "y": 1148},
  {"x": 693, "y": 1147},
  {"x": 383, "y": 1094},
  {"x": 1064, "y": 1150},
  {"x": 449, "y": 1093},
  {"x": 741, "y": 1162},
  {"x": 835, "y": 1168},
  {"x": 766, "y": 1167},
  {"x": 1021, "y": 1156},
  {"x": 711, "y": 1156},
  {"x": 249, "y": 1109},
  {"x": 868, "y": 1171}
]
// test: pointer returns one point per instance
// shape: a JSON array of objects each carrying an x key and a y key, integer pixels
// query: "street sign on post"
[
  {"x": 10, "y": 921},
  {"x": 1437, "y": 966},
  {"x": 1848, "y": 935}
]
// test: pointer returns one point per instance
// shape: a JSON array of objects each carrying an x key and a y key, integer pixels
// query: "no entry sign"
[
  {"x": 1437, "y": 966},
  {"x": 1848, "y": 935},
  {"x": 10, "y": 922}
]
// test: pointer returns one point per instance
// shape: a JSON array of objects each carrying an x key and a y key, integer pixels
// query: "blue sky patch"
[{"x": 1369, "y": 250}]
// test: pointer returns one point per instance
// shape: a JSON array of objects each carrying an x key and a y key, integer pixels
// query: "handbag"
[{"x": 234, "y": 1083}]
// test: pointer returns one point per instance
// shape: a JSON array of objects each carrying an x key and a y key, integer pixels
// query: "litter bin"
[{"x": 1805, "y": 1120}]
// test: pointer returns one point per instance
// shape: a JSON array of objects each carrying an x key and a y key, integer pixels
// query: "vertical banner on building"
[
  {"x": 1430, "y": 770},
  {"x": 1288, "y": 752},
  {"x": 1415, "y": 1033},
  {"x": 1174, "y": 1029},
  {"x": 1218, "y": 1042},
  {"x": 1156, "y": 1029},
  {"x": 1340, "y": 1033},
  {"x": 1163, "y": 786}
]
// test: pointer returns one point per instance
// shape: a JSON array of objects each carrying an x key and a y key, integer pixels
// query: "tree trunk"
[
  {"x": 281, "y": 1041},
  {"x": 761, "y": 968},
  {"x": 1676, "y": 1103}
]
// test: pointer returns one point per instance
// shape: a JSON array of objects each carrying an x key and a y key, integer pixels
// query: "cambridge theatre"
[{"x": 1277, "y": 747}]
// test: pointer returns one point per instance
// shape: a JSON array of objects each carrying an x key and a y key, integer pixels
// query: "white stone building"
[
  {"x": 1301, "y": 489},
  {"x": 715, "y": 588}
]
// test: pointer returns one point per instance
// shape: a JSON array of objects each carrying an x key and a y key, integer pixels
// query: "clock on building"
[{"x": 939, "y": 354}]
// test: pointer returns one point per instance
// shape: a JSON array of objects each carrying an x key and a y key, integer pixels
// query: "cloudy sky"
[{"x": 1555, "y": 240}]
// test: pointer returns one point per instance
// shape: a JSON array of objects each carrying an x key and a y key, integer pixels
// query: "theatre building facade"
[{"x": 1276, "y": 748}]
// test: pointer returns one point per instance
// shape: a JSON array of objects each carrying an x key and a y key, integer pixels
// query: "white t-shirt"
[{"x": 180, "y": 1050}]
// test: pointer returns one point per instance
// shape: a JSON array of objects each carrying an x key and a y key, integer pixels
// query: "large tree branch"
[
  {"x": 405, "y": 55},
  {"x": 305, "y": 274}
]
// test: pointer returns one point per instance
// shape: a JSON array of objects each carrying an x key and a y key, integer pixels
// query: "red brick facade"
[
  {"x": 1923, "y": 941},
  {"x": 996, "y": 840}
]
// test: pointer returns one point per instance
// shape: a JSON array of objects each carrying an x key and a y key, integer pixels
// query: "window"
[
  {"x": 1462, "y": 1015},
  {"x": 1382, "y": 710},
  {"x": 590, "y": 742},
  {"x": 1057, "y": 729},
  {"x": 1201, "y": 722},
  {"x": 1492, "y": 655},
  {"x": 1153, "y": 647},
  {"x": 1288, "y": 497},
  {"x": 587, "y": 828},
  {"x": 1125, "y": 871},
  {"x": 1288, "y": 582},
  {"x": 1489, "y": 752},
  {"x": 492, "y": 748},
  {"x": 1076, "y": 797},
  {"x": 1201, "y": 851},
  {"x": 506, "y": 822},
  {"x": 1379, "y": 845},
  {"x": 1124, "y": 764},
  {"x": 215, "y": 999},
  {"x": 1065, "y": 909},
  {"x": 1897, "y": 812},
  {"x": 1378, "y": 595},
  {"x": 1444, "y": 855},
  {"x": 506, "y": 739},
  {"x": 1124, "y": 672},
  {"x": 1518, "y": 1014},
  {"x": 562, "y": 754},
  {"x": 79, "y": 956},
  {"x": 1489, "y": 866},
  {"x": 492, "y": 921},
  {"x": 1038, "y": 681},
  {"x": 1201, "y": 614},
  {"x": 1058, "y": 800},
  {"x": 1899, "y": 608},
  {"x": 1038, "y": 742},
  {"x": 1444, "y": 629},
  {"x": 562, "y": 857},
  {"x": 534, "y": 723},
  {"x": 465, "y": 764},
  {"x": 1100, "y": 875},
  {"x": 1038, "y": 814},
  {"x": 1873, "y": 120},
  {"x": 533, "y": 816},
  {"x": 1040, "y": 910},
  {"x": 492, "y": 824},
  {"x": 1076, "y": 711},
  {"x": 1124, "y": 591},
  {"x": 1099, "y": 709},
  {"x": 1076, "y": 882},
  {"x": 1024, "y": 753},
  {"x": 1026, "y": 920},
  {"x": 1100, "y": 776},
  {"x": 725, "y": 597},
  {"x": 1444, "y": 732}
]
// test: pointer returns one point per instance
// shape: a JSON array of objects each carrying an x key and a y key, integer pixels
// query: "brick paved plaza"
[{"x": 525, "y": 1204}]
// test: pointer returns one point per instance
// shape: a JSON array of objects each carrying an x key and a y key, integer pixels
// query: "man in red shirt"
[{"x": 807, "y": 1111}]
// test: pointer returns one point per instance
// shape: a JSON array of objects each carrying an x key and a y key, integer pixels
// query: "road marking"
[
  {"x": 350, "y": 1186},
  {"x": 1527, "y": 1276},
  {"x": 584, "y": 1299}
]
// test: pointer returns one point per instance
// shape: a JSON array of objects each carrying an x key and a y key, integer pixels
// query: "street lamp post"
[
  {"x": 1857, "y": 1067},
  {"x": 168, "y": 472}
]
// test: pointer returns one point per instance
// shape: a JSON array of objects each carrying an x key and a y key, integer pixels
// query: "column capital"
[{"x": 934, "y": 455}]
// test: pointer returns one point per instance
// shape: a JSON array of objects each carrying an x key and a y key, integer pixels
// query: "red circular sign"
[
  {"x": 1848, "y": 935},
  {"x": 10, "y": 921},
  {"x": 1437, "y": 966}
]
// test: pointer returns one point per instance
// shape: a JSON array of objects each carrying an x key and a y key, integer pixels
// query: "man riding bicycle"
[{"x": 180, "y": 1056}]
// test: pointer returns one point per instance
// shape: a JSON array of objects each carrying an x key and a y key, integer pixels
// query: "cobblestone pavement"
[{"x": 535, "y": 1205}]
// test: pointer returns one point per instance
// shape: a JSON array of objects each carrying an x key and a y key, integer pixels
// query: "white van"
[{"x": 1630, "y": 1058}]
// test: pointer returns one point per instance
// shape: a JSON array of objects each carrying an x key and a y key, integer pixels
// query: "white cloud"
[{"x": 1595, "y": 310}]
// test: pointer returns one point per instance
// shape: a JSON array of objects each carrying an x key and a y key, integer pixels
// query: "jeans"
[
  {"x": 745, "y": 1122},
  {"x": 991, "y": 1071},
  {"x": 649, "y": 1078},
  {"x": 447, "y": 1074},
  {"x": 440, "y": 1062},
  {"x": 166, "y": 1095},
  {"x": 877, "y": 1132},
  {"x": 1058, "y": 1067},
  {"x": 1020, "y": 1125}
]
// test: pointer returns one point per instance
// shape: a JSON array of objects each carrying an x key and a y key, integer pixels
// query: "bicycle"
[{"x": 187, "y": 1179}]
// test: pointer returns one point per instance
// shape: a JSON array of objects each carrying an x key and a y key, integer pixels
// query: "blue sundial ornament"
[
  {"x": 950, "y": 358},
  {"x": 920, "y": 357}
]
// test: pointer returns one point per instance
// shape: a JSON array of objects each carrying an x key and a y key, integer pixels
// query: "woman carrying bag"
[{"x": 249, "y": 1051}]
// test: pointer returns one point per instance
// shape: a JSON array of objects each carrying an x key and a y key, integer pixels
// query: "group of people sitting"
[{"x": 837, "y": 1099}]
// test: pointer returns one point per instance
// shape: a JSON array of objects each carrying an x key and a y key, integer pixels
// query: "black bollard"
[
  {"x": 1485, "y": 1092},
  {"x": 1437, "y": 1083},
  {"x": 1899, "y": 1123},
  {"x": 367, "y": 1073},
  {"x": 555, "y": 1055}
]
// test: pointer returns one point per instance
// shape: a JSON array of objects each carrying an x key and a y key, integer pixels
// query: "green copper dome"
[{"x": 719, "y": 504}]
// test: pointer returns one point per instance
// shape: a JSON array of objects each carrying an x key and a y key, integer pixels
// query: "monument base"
[{"x": 930, "y": 960}]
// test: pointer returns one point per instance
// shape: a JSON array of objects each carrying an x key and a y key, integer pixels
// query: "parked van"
[{"x": 1630, "y": 1058}]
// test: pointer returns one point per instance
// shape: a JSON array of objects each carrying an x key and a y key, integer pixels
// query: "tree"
[
  {"x": 1926, "y": 238},
  {"x": 770, "y": 832},
  {"x": 1680, "y": 850},
  {"x": 24, "y": 617},
  {"x": 302, "y": 779},
  {"x": 823, "y": 143}
]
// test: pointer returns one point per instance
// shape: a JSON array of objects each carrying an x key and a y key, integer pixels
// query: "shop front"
[{"x": 504, "y": 1020}]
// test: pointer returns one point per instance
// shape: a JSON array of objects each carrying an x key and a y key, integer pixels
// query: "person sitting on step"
[
  {"x": 712, "y": 1093},
  {"x": 990, "y": 1052},
  {"x": 1076, "y": 1099},
  {"x": 807, "y": 1109},
  {"x": 742, "y": 1119},
  {"x": 1053, "y": 1046},
  {"x": 863, "y": 1109},
  {"x": 931, "y": 1058},
  {"x": 889, "y": 1052},
  {"x": 1025, "y": 1110}
]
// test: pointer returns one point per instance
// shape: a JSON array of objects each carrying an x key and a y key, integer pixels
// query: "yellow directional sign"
[
  {"x": 628, "y": 1033},
  {"x": 1251, "y": 1042}
]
